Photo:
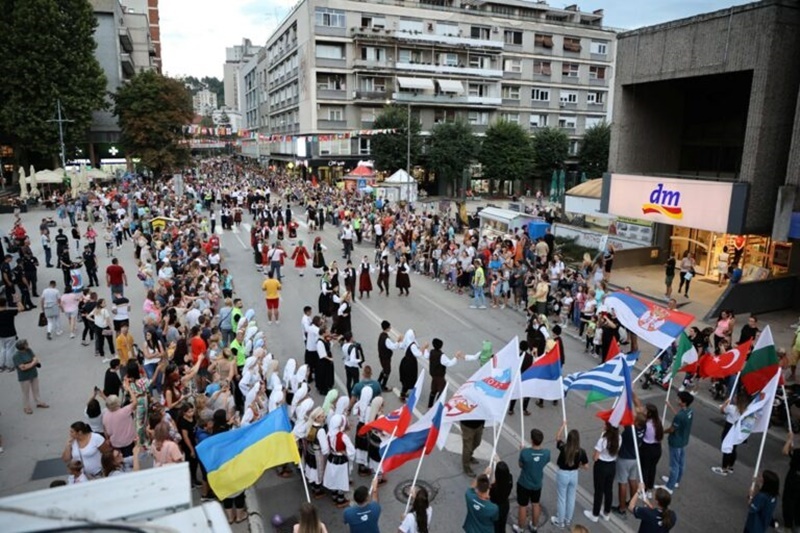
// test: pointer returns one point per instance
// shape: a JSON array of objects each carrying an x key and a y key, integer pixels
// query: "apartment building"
[
  {"x": 332, "y": 65},
  {"x": 204, "y": 102},
  {"x": 235, "y": 57}
]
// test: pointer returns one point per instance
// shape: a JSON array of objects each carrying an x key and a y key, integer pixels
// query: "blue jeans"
[
  {"x": 478, "y": 299},
  {"x": 566, "y": 483},
  {"x": 677, "y": 461},
  {"x": 275, "y": 268}
]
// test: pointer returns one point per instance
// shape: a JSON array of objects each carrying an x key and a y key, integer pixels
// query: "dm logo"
[{"x": 664, "y": 202}]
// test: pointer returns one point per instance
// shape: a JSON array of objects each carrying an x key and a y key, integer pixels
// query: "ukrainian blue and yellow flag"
[{"x": 234, "y": 460}]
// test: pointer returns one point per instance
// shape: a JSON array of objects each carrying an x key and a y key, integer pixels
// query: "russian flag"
[
  {"x": 418, "y": 440},
  {"x": 622, "y": 413},
  {"x": 543, "y": 378},
  {"x": 655, "y": 324},
  {"x": 401, "y": 417}
]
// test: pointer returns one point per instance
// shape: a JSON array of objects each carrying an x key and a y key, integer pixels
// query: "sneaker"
[
  {"x": 649, "y": 495},
  {"x": 719, "y": 470},
  {"x": 555, "y": 522},
  {"x": 71, "y": 335},
  {"x": 606, "y": 517},
  {"x": 665, "y": 479},
  {"x": 482, "y": 307},
  {"x": 59, "y": 333},
  {"x": 277, "y": 321},
  {"x": 473, "y": 306},
  {"x": 516, "y": 529},
  {"x": 592, "y": 518},
  {"x": 49, "y": 336},
  {"x": 665, "y": 488}
]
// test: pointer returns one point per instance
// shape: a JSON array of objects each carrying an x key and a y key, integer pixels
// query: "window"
[
  {"x": 565, "y": 121},
  {"x": 333, "y": 18},
  {"x": 510, "y": 92},
  {"x": 335, "y": 113},
  {"x": 444, "y": 115},
  {"x": 478, "y": 117},
  {"x": 483, "y": 62},
  {"x": 545, "y": 41},
  {"x": 538, "y": 121},
  {"x": 480, "y": 32},
  {"x": 597, "y": 73},
  {"x": 368, "y": 53},
  {"x": 448, "y": 60},
  {"x": 373, "y": 84},
  {"x": 540, "y": 95},
  {"x": 572, "y": 44},
  {"x": 444, "y": 29},
  {"x": 405, "y": 55},
  {"x": 410, "y": 26},
  {"x": 594, "y": 121},
  {"x": 372, "y": 21},
  {"x": 478, "y": 89},
  {"x": 599, "y": 47},
  {"x": 512, "y": 65},
  {"x": 569, "y": 70},
  {"x": 364, "y": 146},
  {"x": 595, "y": 97},
  {"x": 574, "y": 145},
  {"x": 542, "y": 68},
  {"x": 334, "y": 147},
  {"x": 369, "y": 114},
  {"x": 327, "y": 82},
  {"x": 512, "y": 37},
  {"x": 510, "y": 117},
  {"x": 330, "y": 51},
  {"x": 569, "y": 97}
]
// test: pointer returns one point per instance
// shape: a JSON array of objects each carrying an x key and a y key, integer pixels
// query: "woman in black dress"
[
  {"x": 350, "y": 278},
  {"x": 499, "y": 493},
  {"x": 333, "y": 274},
  {"x": 403, "y": 281},
  {"x": 364, "y": 280},
  {"x": 343, "y": 311},
  {"x": 409, "y": 369},
  {"x": 318, "y": 260},
  {"x": 325, "y": 372},
  {"x": 325, "y": 302}
]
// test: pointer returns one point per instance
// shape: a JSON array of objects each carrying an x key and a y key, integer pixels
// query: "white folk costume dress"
[
  {"x": 361, "y": 410},
  {"x": 337, "y": 469}
]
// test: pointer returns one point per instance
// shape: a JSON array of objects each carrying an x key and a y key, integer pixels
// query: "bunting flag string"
[{"x": 201, "y": 131}]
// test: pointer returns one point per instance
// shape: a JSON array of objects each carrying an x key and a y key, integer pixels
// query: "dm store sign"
[{"x": 677, "y": 202}]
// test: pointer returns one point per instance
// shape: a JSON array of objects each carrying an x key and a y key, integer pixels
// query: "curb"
[{"x": 255, "y": 520}]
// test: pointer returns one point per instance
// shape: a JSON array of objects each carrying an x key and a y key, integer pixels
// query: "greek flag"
[{"x": 603, "y": 381}]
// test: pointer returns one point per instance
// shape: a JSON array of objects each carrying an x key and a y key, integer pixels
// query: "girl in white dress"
[{"x": 337, "y": 470}]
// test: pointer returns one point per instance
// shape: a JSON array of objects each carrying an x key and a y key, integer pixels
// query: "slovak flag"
[
  {"x": 655, "y": 324},
  {"x": 542, "y": 379},
  {"x": 622, "y": 414},
  {"x": 418, "y": 440},
  {"x": 401, "y": 417}
]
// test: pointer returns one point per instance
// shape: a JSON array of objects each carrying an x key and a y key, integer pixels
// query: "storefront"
[{"x": 700, "y": 216}]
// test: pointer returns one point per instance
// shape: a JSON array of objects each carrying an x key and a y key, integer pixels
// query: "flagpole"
[
  {"x": 666, "y": 401},
  {"x": 383, "y": 456},
  {"x": 563, "y": 406},
  {"x": 736, "y": 382},
  {"x": 497, "y": 433},
  {"x": 763, "y": 441},
  {"x": 651, "y": 363},
  {"x": 303, "y": 473},
  {"x": 414, "y": 482},
  {"x": 638, "y": 459},
  {"x": 788, "y": 411},
  {"x": 521, "y": 402}
]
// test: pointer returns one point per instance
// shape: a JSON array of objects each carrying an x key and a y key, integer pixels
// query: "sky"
[{"x": 195, "y": 33}]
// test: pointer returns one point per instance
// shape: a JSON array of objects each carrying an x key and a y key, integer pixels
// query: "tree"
[
  {"x": 207, "y": 122},
  {"x": 47, "y": 54},
  {"x": 593, "y": 155},
  {"x": 152, "y": 111},
  {"x": 390, "y": 150},
  {"x": 452, "y": 147},
  {"x": 215, "y": 85},
  {"x": 551, "y": 149},
  {"x": 506, "y": 153}
]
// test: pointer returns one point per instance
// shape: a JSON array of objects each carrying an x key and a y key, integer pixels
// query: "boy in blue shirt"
[
  {"x": 363, "y": 517},
  {"x": 482, "y": 513},
  {"x": 532, "y": 461}
]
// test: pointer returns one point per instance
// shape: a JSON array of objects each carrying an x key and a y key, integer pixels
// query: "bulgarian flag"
[
  {"x": 686, "y": 356},
  {"x": 762, "y": 364}
]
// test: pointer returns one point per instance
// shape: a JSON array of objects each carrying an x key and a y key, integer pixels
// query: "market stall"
[
  {"x": 399, "y": 187},
  {"x": 360, "y": 178}
]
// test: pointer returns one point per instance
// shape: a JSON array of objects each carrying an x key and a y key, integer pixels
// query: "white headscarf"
[
  {"x": 408, "y": 339},
  {"x": 374, "y": 408},
  {"x": 299, "y": 378},
  {"x": 299, "y": 396},
  {"x": 361, "y": 409},
  {"x": 335, "y": 426},
  {"x": 275, "y": 400},
  {"x": 288, "y": 372}
]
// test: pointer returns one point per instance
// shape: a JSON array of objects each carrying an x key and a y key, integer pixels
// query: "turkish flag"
[{"x": 726, "y": 364}]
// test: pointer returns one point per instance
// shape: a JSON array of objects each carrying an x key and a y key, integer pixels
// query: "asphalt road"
[{"x": 704, "y": 501}]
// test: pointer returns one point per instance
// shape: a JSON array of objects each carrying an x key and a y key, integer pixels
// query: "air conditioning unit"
[{"x": 495, "y": 29}]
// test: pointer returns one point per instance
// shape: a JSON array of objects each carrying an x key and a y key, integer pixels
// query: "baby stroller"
[{"x": 658, "y": 374}]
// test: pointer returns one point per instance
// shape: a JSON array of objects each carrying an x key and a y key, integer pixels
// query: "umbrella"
[
  {"x": 562, "y": 183},
  {"x": 23, "y": 185},
  {"x": 367, "y": 189},
  {"x": 34, "y": 189},
  {"x": 583, "y": 177},
  {"x": 554, "y": 186}
]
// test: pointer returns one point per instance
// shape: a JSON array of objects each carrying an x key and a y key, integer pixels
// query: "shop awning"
[
  {"x": 422, "y": 84},
  {"x": 451, "y": 86}
]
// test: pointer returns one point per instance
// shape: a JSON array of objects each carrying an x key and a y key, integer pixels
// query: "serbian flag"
[
  {"x": 622, "y": 414},
  {"x": 418, "y": 440},
  {"x": 542, "y": 379},
  {"x": 401, "y": 417},
  {"x": 762, "y": 364},
  {"x": 649, "y": 321},
  {"x": 726, "y": 364}
]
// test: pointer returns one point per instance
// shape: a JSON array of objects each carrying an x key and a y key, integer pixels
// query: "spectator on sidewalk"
[
  {"x": 8, "y": 333},
  {"x": 27, "y": 365},
  {"x": 678, "y": 439},
  {"x": 116, "y": 278},
  {"x": 118, "y": 425},
  {"x": 51, "y": 306}
]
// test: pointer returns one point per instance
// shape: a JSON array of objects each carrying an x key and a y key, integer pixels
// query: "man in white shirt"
[
  {"x": 347, "y": 239},
  {"x": 378, "y": 229},
  {"x": 311, "y": 356},
  {"x": 275, "y": 256},
  {"x": 353, "y": 356},
  {"x": 193, "y": 316}
]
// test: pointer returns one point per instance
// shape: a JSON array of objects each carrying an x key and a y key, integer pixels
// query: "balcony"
[
  {"x": 332, "y": 31},
  {"x": 444, "y": 69},
  {"x": 452, "y": 41},
  {"x": 372, "y": 64},
  {"x": 151, "y": 49},
  {"x": 325, "y": 124},
  {"x": 328, "y": 62},
  {"x": 447, "y": 99},
  {"x": 125, "y": 39},
  {"x": 372, "y": 96},
  {"x": 598, "y": 82},
  {"x": 128, "y": 67},
  {"x": 331, "y": 94},
  {"x": 595, "y": 107}
]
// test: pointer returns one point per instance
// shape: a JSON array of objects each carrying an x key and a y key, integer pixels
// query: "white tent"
[
  {"x": 50, "y": 176},
  {"x": 399, "y": 187}
]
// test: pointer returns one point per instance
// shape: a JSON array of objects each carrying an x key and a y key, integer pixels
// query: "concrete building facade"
[
  {"x": 711, "y": 103},
  {"x": 235, "y": 56},
  {"x": 204, "y": 102},
  {"x": 332, "y": 65}
]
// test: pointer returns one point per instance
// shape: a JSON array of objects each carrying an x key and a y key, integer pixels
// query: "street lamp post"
[
  {"x": 408, "y": 140},
  {"x": 61, "y": 135}
]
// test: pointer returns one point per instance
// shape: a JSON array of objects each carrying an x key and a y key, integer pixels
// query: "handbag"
[
  {"x": 107, "y": 332},
  {"x": 42, "y": 320}
]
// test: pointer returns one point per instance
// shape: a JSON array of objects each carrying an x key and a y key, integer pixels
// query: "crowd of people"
[{"x": 193, "y": 362}]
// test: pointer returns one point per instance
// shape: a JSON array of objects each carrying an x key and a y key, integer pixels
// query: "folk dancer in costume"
[
  {"x": 386, "y": 347},
  {"x": 361, "y": 410},
  {"x": 337, "y": 469},
  {"x": 353, "y": 356},
  {"x": 342, "y": 323},
  {"x": 311, "y": 355},
  {"x": 376, "y": 438},
  {"x": 315, "y": 450},
  {"x": 325, "y": 301},
  {"x": 350, "y": 277},
  {"x": 300, "y": 256},
  {"x": 333, "y": 274},
  {"x": 439, "y": 363},
  {"x": 403, "y": 281},
  {"x": 409, "y": 369},
  {"x": 383, "y": 275},
  {"x": 364, "y": 279},
  {"x": 318, "y": 257},
  {"x": 325, "y": 370}
]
